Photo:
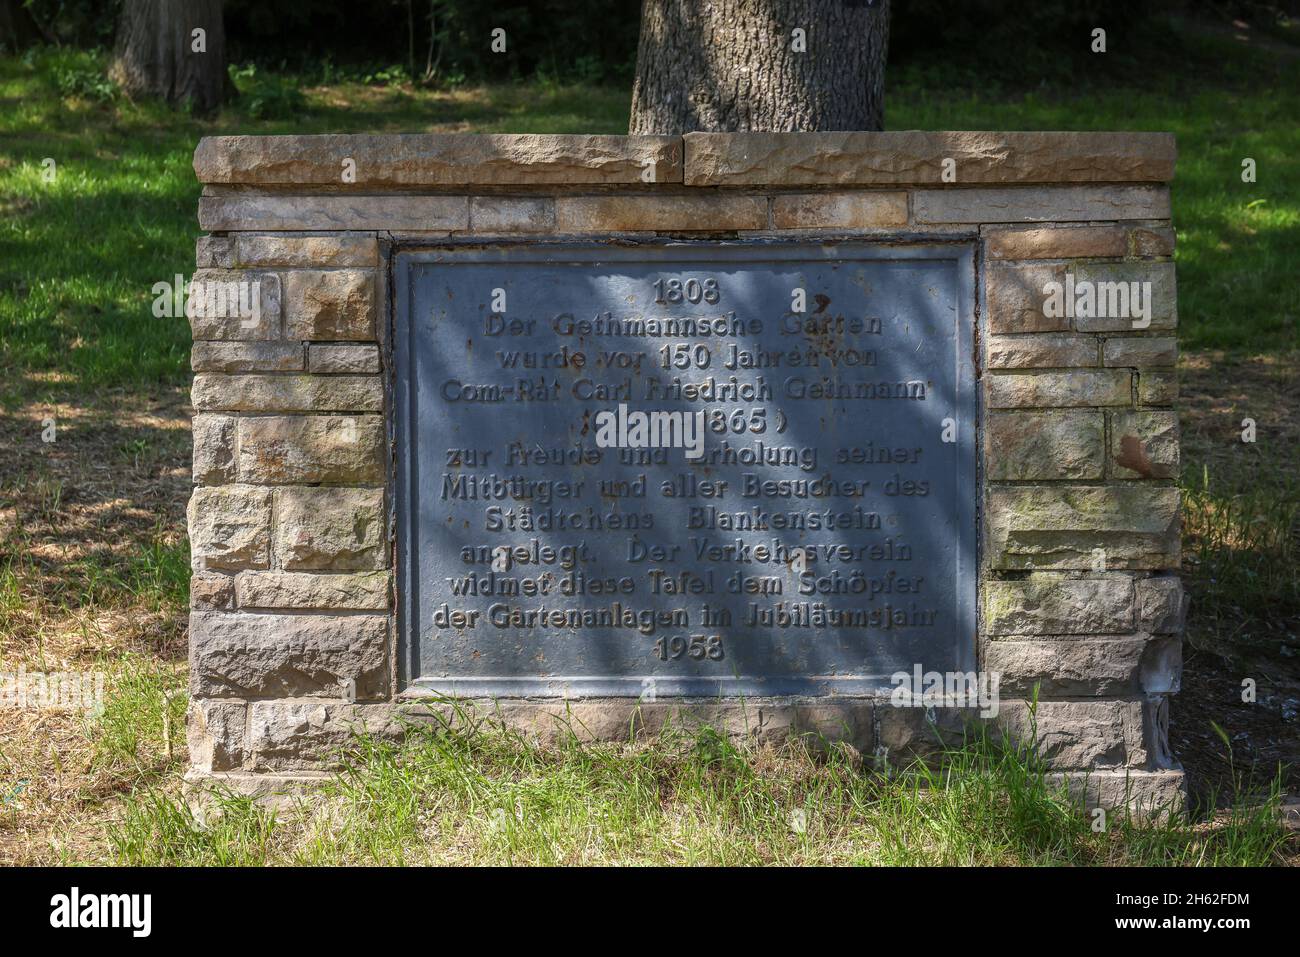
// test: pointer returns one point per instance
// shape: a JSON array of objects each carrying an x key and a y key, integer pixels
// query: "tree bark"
[
  {"x": 155, "y": 53},
  {"x": 734, "y": 65}
]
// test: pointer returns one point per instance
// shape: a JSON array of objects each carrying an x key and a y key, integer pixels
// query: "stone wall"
[{"x": 293, "y": 638}]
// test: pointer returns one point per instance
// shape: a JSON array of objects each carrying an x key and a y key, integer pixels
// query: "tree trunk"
[
  {"x": 735, "y": 65},
  {"x": 158, "y": 54}
]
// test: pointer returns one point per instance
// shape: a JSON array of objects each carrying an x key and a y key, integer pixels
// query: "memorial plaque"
[{"x": 684, "y": 469}]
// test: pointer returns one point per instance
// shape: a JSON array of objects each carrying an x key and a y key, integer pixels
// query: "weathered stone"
[
  {"x": 230, "y": 527},
  {"x": 330, "y": 529},
  {"x": 338, "y": 249},
  {"x": 1144, "y": 444},
  {"x": 233, "y": 304},
  {"x": 1157, "y": 388},
  {"x": 287, "y": 393},
  {"x": 1060, "y": 204},
  {"x": 1045, "y": 445},
  {"x": 1074, "y": 527},
  {"x": 1147, "y": 242},
  {"x": 1059, "y": 606},
  {"x": 861, "y": 210},
  {"x": 1042, "y": 351},
  {"x": 1141, "y": 352},
  {"x": 439, "y": 159},
  {"x": 1074, "y": 668},
  {"x": 1162, "y": 666},
  {"x": 1079, "y": 734},
  {"x": 511, "y": 214},
  {"x": 1014, "y": 298},
  {"x": 632, "y": 212},
  {"x": 214, "y": 449},
  {"x": 250, "y": 655},
  {"x": 247, "y": 357},
  {"x": 1144, "y": 794},
  {"x": 917, "y": 157},
  {"x": 330, "y": 304},
  {"x": 215, "y": 733},
  {"x": 367, "y": 591},
  {"x": 352, "y": 359},
  {"x": 260, "y": 212},
  {"x": 214, "y": 252},
  {"x": 293, "y": 735},
  {"x": 1067, "y": 389},
  {"x": 282, "y": 450},
  {"x": 1112, "y": 283},
  {"x": 1162, "y": 605},
  {"x": 906, "y": 734},
  {"x": 1060, "y": 243},
  {"x": 210, "y": 591}
]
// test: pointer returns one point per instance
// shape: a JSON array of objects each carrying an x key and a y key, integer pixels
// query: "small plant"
[{"x": 267, "y": 96}]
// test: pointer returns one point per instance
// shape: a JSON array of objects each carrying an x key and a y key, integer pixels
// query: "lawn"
[{"x": 97, "y": 204}]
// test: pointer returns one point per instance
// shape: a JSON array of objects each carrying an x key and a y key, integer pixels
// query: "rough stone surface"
[
  {"x": 215, "y": 733},
  {"x": 1157, "y": 388},
  {"x": 281, "y": 450},
  {"x": 1161, "y": 351},
  {"x": 349, "y": 359},
  {"x": 1076, "y": 668},
  {"x": 367, "y": 591},
  {"x": 861, "y": 210},
  {"x": 1163, "y": 295},
  {"x": 1080, "y": 734},
  {"x": 1162, "y": 605},
  {"x": 330, "y": 529},
  {"x": 1144, "y": 794},
  {"x": 287, "y": 393},
  {"x": 258, "y": 656},
  {"x": 1144, "y": 444},
  {"x": 1045, "y": 445},
  {"x": 330, "y": 304},
  {"x": 309, "y": 735},
  {"x": 1069, "y": 389},
  {"x": 247, "y": 357},
  {"x": 1075, "y": 526},
  {"x": 1042, "y": 351},
  {"x": 439, "y": 159},
  {"x": 224, "y": 318},
  {"x": 1157, "y": 241},
  {"x": 916, "y": 157},
  {"x": 1059, "y": 606},
  {"x": 633, "y": 212},
  {"x": 308, "y": 252},
  {"x": 1053, "y": 243},
  {"x": 230, "y": 527},
  {"x": 1061, "y": 204},
  {"x": 511, "y": 214},
  {"x": 210, "y": 591},
  {"x": 214, "y": 252},
  {"x": 214, "y": 449},
  {"x": 1014, "y": 297},
  {"x": 260, "y": 212}
]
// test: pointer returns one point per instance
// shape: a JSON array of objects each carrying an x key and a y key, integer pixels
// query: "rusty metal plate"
[{"x": 563, "y": 530}]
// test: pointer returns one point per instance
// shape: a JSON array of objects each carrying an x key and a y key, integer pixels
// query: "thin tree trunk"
[
  {"x": 158, "y": 54},
  {"x": 735, "y": 65}
]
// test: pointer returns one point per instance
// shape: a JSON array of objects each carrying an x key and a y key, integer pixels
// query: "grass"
[
  {"x": 94, "y": 562},
  {"x": 471, "y": 792}
]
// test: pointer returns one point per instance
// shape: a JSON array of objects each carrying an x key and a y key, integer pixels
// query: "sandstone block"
[
  {"x": 214, "y": 449},
  {"x": 1066, "y": 389},
  {"x": 1059, "y": 606},
  {"x": 337, "y": 449},
  {"x": 287, "y": 393},
  {"x": 366, "y": 591},
  {"x": 247, "y": 357},
  {"x": 1042, "y": 351},
  {"x": 330, "y": 529},
  {"x": 330, "y": 304},
  {"x": 234, "y": 304},
  {"x": 847, "y": 211},
  {"x": 1045, "y": 445},
  {"x": 328, "y": 357},
  {"x": 260, "y": 655},
  {"x": 230, "y": 527},
  {"x": 630, "y": 213},
  {"x": 1144, "y": 444},
  {"x": 1056, "y": 204}
]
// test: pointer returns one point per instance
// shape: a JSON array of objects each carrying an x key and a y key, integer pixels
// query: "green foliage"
[
  {"x": 469, "y": 791},
  {"x": 267, "y": 96}
]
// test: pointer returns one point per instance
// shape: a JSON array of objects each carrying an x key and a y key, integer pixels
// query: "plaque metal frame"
[{"x": 399, "y": 346}]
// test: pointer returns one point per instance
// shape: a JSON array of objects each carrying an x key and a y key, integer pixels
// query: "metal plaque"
[{"x": 684, "y": 468}]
